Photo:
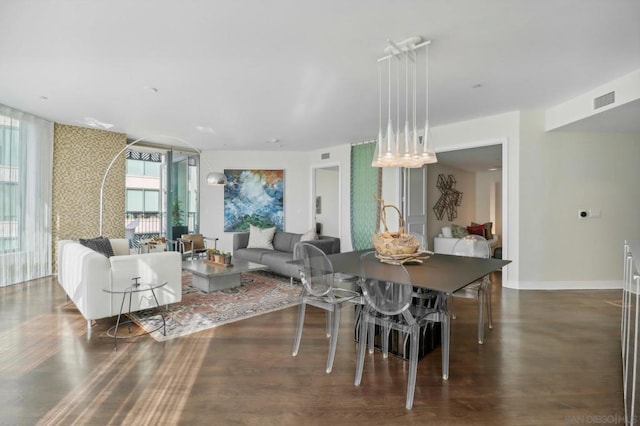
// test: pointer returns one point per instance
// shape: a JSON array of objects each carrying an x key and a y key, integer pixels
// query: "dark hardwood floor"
[{"x": 552, "y": 358}]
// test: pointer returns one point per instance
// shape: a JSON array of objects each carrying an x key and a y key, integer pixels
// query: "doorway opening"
[
  {"x": 480, "y": 171},
  {"x": 326, "y": 190}
]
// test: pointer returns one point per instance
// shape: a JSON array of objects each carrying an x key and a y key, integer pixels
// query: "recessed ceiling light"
[
  {"x": 151, "y": 89},
  {"x": 476, "y": 86},
  {"x": 205, "y": 129},
  {"x": 273, "y": 140},
  {"x": 44, "y": 98}
]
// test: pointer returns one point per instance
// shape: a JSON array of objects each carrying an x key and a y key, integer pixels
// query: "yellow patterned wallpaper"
[{"x": 80, "y": 158}]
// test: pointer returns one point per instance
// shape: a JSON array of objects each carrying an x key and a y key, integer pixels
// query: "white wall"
[
  {"x": 567, "y": 171},
  {"x": 488, "y": 199},
  {"x": 296, "y": 192}
]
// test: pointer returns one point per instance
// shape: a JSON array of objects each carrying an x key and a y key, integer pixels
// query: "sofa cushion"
[
  {"x": 310, "y": 235},
  {"x": 261, "y": 238},
  {"x": 250, "y": 254},
  {"x": 487, "y": 229},
  {"x": 99, "y": 244},
  {"x": 476, "y": 230},
  {"x": 120, "y": 246},
  {"x": 285, "y": 241},
  {"x": 277, "y": 262},
  {"x": 446, "y": 232},
  {"x": 459, "y": 231}
]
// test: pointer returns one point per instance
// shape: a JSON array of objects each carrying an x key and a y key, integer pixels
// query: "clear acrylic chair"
[
  {"x": 319, "y": 289},
  {"x": 391, "y": 306},
  {"x": 475, "y": 246}
]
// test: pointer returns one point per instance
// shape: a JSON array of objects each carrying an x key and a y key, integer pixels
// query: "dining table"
[
  {"x": 441, "y": 273},
  {"x": 438, "y": 272}
]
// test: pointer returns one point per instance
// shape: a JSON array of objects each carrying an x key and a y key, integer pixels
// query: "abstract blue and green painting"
[{"x": 253, "y": 197}]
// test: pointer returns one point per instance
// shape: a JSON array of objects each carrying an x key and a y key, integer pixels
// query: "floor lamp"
[{"x": 213, "y": 178}]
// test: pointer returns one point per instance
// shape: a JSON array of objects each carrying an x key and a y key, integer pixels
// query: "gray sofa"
[{"x": 283, "y": 243}]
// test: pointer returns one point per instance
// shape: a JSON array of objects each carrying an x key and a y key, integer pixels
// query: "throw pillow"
[
  {"x": 487, "y": 229},
  {"x": 261, "y": 237},
  {"x": 446, "y": 232},
  {"x": 459, "y": 231},
  {"x": 101, "y": 245},
  {"x": 477, "y": 230},
  {"x": 310, "y": 235}
]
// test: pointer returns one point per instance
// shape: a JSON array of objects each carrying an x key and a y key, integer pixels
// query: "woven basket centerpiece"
[{"x": 394, "y": 244}]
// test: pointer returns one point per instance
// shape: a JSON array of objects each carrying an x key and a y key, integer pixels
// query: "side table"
[{"x": 136, "y": 287}]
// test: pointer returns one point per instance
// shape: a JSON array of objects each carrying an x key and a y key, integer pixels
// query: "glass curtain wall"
[
  {"x": 26, "y": 167},
  {"x": 162, "y": 193},
  {"x": 183, "y": 179},
  {"x": 144, "y": 207}
]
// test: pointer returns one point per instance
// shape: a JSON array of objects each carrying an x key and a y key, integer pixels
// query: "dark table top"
[{"x": 440, "y": 272}]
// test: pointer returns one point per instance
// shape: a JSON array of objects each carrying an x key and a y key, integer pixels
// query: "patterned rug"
[{"x": 260, "y": 293}]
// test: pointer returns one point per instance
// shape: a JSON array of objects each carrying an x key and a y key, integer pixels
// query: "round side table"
[{"x": 136, "y": 287}]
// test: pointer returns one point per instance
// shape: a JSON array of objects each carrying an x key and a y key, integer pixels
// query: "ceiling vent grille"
[
  {"x": 324, "y": 156},
  {"x": 604, "y": 100}
]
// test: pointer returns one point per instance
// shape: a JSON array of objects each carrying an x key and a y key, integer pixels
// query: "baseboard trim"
[{"x": 563, "y": 285}]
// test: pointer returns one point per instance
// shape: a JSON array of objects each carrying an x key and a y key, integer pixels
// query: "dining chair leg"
[
  {"x": 488, "y": 297},
  {"x": 413, "y": 367},
  {"x": 384, "y": 336},
  {"x": 301, "y": 312},
  {"x": 445, "y": 337},
  {"x": 451, "y": 307},
  {"x": 371, "y": 337},
  {"x": 362, "y": 346},
  {"x": 333, "y": 342},
  {"x": 329, "y": 323},
  {"x": 481, "y": 303}
]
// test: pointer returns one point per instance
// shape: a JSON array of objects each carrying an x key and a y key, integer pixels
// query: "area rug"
[{"x": 260, "y": 293}]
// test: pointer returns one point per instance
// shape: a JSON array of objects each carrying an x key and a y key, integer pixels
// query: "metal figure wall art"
[{"x": 450, "y": 198}]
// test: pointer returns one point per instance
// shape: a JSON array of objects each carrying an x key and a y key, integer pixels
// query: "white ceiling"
[
  {"x": 302, "y": 72},
  {"x": 480, "y": 159}
]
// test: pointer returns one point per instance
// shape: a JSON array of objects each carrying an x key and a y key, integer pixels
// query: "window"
[
  {"x": 143, "y": 200},
  {"x": 9, "y": 185},
  {"x": 143, "y": 168},
  {"x": 26, "y": 158}
]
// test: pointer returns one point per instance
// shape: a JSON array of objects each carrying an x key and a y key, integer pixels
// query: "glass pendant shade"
[
  {"x": 402, "y": 148},
  {"x": 377, "y": 160},
  {"x": 388, "y": 158},
  {"x": 428, "y": 156}
]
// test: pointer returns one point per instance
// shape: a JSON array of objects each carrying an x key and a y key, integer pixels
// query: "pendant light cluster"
[{"x": 404, "y": 148}]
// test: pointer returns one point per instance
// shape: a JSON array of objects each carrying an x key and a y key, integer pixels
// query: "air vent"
[
  {"x": 604, "y": 100},
  {"x": 324, "y": 156}
]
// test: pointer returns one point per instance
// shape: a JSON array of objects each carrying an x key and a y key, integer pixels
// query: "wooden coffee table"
[{"x": 208, "y": 277}]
